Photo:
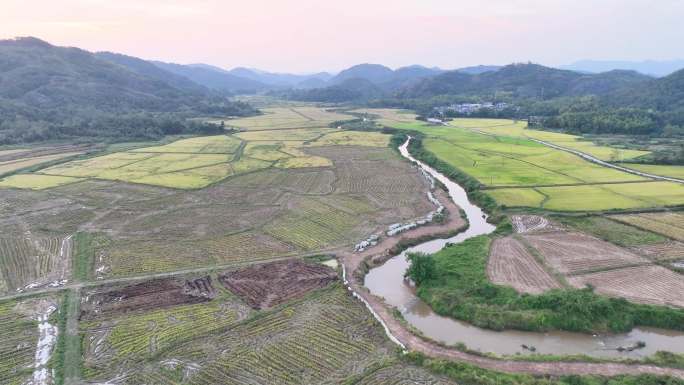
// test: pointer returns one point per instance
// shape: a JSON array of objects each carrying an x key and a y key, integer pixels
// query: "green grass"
[
  {"x": 529, "y": 174},
  {"x": 504, "y": 127},
  {"x": 66, "y": 358},
  {"x": 518, "y": 197},
  {"x": 83, "y": 254},
  {"x": 502, "y": 161},
  {"x": 459, "y": 288},
  {"x": 612, "y": 231},
  {"x": 463, "y": 373}
]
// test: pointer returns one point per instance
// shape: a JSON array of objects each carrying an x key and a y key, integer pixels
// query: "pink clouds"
[{"x": 308, "y": 35}]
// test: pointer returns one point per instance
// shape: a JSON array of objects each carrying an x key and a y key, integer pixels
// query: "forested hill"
[
  {"x": 523, "y": 81},
  {"x": 663, "y": 94},
  {"x": 50, "y": 92},
  {"x": 508, "y": 83}
]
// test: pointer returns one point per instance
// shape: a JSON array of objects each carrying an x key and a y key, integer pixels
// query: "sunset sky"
[{"x": 315, "y": 35}]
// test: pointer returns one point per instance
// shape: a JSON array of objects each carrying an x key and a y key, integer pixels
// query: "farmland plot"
[
  {"x": 662, "y": 251},
  {"x": 312, "y": 225},
  {"x": 153, "y": 318},
  {"x": 643, "y": 284},
  {"x": 668, "y": 224},
  {"x": 286, "y": 118},
  {"x": 323, "y": 338},
  {"x": 573, "y": 253},
  {"x": 18, "y": 338},
  {"x": 511, "y": 264},
  {"x": 27, "y": 262}
]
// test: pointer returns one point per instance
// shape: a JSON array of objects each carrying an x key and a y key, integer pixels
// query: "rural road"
[{"x": 593, "y": 159}]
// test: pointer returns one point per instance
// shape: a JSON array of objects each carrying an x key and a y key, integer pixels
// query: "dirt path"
[{"x": 412, "y": 342}]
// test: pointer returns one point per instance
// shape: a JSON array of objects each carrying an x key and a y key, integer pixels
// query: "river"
[{"x": 387, "y": 281}]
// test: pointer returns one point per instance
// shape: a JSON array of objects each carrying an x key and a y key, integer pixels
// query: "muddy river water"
[{"x": 387, "y": 281}]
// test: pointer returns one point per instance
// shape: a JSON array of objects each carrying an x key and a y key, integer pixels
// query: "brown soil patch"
[
  {"x": 269, "y": 284},
  {"x": 147, "y": 295},
  {"x": 574, "y": 253},
  {"x": 644, "y": 284},
  {"x": 511, "y": 264}
]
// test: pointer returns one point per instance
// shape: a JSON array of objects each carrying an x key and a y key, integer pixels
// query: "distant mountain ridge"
[
  {"x": 214, "y": 77},
  {"x": 524, "y": 81},
  {"x": 647, "y": 67}
]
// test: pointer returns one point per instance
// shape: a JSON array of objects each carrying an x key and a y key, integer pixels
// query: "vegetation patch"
[
  {"x": 36, "y": 181},
  {"x": 612, "y": 231},
  {"x": 668, "y": 224}
]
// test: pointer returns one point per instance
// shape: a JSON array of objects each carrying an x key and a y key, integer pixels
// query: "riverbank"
[{"x": 415, "y": 343}]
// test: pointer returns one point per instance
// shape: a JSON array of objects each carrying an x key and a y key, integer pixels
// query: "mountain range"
[{"x": 42, "y": 85}]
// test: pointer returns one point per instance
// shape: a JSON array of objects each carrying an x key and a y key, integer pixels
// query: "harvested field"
[
  {"x": 324, "y": 338},
  {"x": 312, "y": 224},
  {"x": 118, "y": 343},
  {"x": 574, "y": 253},
  {"x": 28, "y": 262},
  {"x": 668, "y": 224},
  {"x": 612, "y": 231},
  {"x": 259, "y": 212},
  {"x": 277, "y": 118},
  {"x": 120, "y": 258},
  {"x": 18, "y": 338},
  {"x": 400, "y": 374},
  {"x": 643, "y": 284},
  {"x": 511, "y": 264},
  {"x": 154, "y": 294},
  {"x": 662, "y": 251},
  {"x": 265, "y": 285}
]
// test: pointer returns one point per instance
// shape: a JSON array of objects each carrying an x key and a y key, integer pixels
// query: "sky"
[{"x": 306, "y": 36}]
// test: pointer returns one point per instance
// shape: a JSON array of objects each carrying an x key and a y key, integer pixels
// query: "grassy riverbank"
[
  {"x": 458, "y": 287},
  {"x": 464, "y": 373}
]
